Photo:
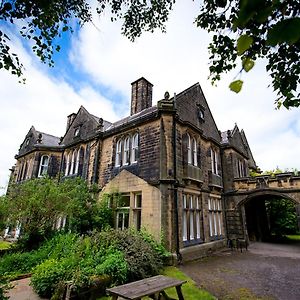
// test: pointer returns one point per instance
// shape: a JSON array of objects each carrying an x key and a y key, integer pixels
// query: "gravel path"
[{"x": 266, "y": 271}]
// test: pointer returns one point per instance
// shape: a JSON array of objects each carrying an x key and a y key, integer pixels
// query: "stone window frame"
[
  {"x": 214, "y": 157},
  {"x": 72, "y": 159},
  {"x": 215, "y": 217},
  {"x": 192, "y": 149},
  {"x": 192, "y": 228},
  {"x": 43, "y": 167},
  {"x": 127, "y": 149},
  {"x": 241, "y": 168}
]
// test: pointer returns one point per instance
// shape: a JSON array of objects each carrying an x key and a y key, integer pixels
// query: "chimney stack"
[
  {"x": 70, "y": 119},
  {"x": 141, "y": 95}
]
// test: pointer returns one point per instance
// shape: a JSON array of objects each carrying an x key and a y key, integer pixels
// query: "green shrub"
[
  {"x": 142, "y": 260},
  {"x": 47, "y": 275},
  {"x": 114, "y": 266}
]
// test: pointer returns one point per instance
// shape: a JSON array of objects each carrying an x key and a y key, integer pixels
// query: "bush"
[
  {"x": 48, "y": 274},
  {"x": 142, "y": 260}
]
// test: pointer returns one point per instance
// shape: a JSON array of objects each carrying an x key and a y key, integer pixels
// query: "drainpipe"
[{"x": 175, "y": 185}]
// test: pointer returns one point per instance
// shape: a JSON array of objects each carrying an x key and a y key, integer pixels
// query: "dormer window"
[
  {"x": 26, "y": 142},
  {"x": 77, "y": 132},
  {"x": 200, "y": 112}
]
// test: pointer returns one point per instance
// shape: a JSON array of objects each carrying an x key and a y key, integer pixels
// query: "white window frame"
[
  {"x": 191, "y": 217},
  {"x": 215, "y": 218},
  {"x": 67, "y": 164},
  {"x": 189, "y": 150},
  {"x": 77, "y": 162},
  {"x": 118, "y": 153},
  {"x": 195, "y": 163},
  {"x": 134, "y": 148},
  {"x": 43, "y": 168},
  {"x": 214, "y": 161},
  {"x": 137, "y": 211},
  {"x": 126, "y": 151}
]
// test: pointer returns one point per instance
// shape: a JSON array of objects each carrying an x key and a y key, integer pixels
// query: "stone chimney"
[
  {"x": 141, "y": 95},
  {"x": 70, "y": 119}
]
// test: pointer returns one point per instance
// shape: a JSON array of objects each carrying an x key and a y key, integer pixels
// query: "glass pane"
[
  {"x": 138, "y": 201},
  {"x": 126, "y": 220}
]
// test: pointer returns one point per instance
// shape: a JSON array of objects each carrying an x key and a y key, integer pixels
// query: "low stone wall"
[{"x": 202, "y": 250}]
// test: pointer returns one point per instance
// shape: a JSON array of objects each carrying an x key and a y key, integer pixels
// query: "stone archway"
[{"x": 256, "y": 219}]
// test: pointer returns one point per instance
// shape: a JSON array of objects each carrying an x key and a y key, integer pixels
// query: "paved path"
[
  {"x": 266, "y": 271},
  {"x": 22, "y": 290}
]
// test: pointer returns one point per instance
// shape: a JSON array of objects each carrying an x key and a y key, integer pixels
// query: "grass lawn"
[
  {"x": 4, "y": 245},
  {"x": 294, "y": 237},
  {"x": 190, "y": 290}
]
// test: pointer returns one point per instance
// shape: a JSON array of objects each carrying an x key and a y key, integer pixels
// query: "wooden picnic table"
[{"x": 154, "y": 287}]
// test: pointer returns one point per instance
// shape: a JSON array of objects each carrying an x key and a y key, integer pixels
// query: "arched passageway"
[{"x": 268, "y": 215}]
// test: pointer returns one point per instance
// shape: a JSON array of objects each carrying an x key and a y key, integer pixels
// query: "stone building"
[{"x": 169, "y": 161}]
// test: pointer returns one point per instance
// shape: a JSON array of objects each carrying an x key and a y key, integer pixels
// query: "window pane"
[
  {"x": 191, "y": 225},
  {"x": 198, "y": 235},
  {"x": 138, "y": 201}
]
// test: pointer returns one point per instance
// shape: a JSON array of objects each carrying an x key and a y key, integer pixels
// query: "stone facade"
[{"x": 176, "y": 171}]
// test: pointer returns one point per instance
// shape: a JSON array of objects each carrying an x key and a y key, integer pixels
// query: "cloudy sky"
[{"x": 97, "y": 65}]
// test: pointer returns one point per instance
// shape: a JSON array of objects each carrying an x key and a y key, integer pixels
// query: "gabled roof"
[
  {"x": 35, "y": 139},
  {"x": 88, "y": 125},
  {"x": 237, "y": 139},
  {"x": 192, "y": 107}
]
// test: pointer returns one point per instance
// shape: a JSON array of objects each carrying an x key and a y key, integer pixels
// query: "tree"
[
  {"x": 244, "y": 30},
  {"x": 283, "y": 217},
  {"x": 38, "y": 204}
]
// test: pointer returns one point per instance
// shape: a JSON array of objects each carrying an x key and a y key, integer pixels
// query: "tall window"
[
  {"x": 215, "y": 217},
  {"x": 195, "y": 163},
  {"x": 118, "y": 153},
  {"x": 191, "y": 218},
  {"x": 127, "y": 150},
  {"x": 67, "y": 157},
  {"x": 77, "y": 161},
  {"x": 189, "y": 149},
  {"x": 214, "y": 161},
  {"x": 73, "y": 159},
  {"x": 43, "y": 165},
  {"x": 134, "y": 148},
  {"x": 137, "y": 211},
  {"x": 241, "y": 167},
  {"x": 123, "y": 209}
]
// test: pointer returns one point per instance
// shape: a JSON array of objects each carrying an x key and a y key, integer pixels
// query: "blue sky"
[{"x": 96, "y": 66}]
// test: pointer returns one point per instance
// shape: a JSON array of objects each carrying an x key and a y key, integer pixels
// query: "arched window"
[
  {"x": 24, "y": 175},
  {"x": 118, "y": 153},
  {"x": 126, "y": 151},
  {"x": 189, "y": 149},
  {"x": 134, "y": 148},
  {"x": 43, "y": 165},
  {"x": 195, "y": 163},
  {"x": 77, "y": 162},
  {"x": 214, "y": 161},
  {"x": 67, "y": 158},
  {"x": 73, "y": 162}
]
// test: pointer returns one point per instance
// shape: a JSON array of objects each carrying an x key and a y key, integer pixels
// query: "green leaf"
[
  {"x": 243, "y": 43},
  {"x": 248, "y": 64},
  {"x": 285, "y": 31},
  {"x": 236, "y": 86}
]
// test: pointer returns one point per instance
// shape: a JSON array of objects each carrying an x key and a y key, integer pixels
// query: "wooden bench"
[{"x": 154, "y": 287}]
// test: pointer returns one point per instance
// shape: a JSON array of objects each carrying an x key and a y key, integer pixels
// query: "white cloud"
[{"x": 172, "y": 61}]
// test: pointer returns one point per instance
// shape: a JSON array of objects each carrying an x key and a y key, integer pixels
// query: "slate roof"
[
  {"x": 48, "y": 139},
  {"x": 132, "y": 118}
]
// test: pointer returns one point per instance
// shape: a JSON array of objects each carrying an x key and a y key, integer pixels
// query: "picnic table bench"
[{"x": 154, "y": 287}]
